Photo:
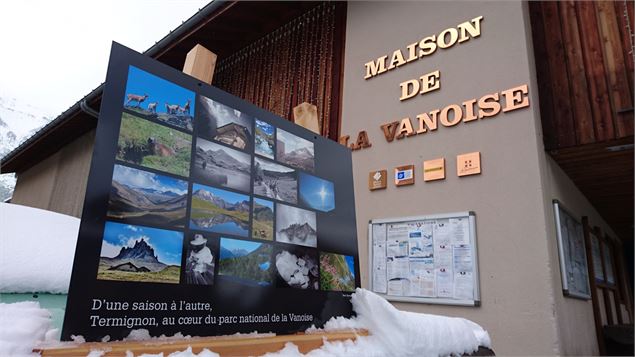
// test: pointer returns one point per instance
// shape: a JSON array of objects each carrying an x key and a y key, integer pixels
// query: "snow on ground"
[
  {"x": 36, "y": 255},
  {"x": 37, "y": 248},
  {"x": 22, "y": 326},
  {"x": 391, "y": 333}
]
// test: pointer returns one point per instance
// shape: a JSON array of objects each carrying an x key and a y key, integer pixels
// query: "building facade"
[{"x": 543, "y": 91}]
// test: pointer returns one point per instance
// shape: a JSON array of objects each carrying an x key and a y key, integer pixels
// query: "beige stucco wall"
[
  {"x": 516, "y": 270},
  {"x": 575, "y": 317},
  {"x": 58, "y": 183}
]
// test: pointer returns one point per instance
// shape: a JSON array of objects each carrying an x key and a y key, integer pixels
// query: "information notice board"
[
  {"x": 571, "y": 249},
  {"x": 207, "y": 215},
  {"x": 426, "y": 259}
]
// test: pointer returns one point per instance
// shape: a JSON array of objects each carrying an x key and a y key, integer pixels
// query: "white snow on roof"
[{"x": 36, "y": 249}]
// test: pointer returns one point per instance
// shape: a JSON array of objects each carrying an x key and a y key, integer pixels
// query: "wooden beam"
[
  {"x": 614, "y": 60},
  {"x": 223, "y": 345},
  {"x": 305, "y": 114},
  {"x": 200, "y": 63},
  {"x": 544, "y": 77},
  {"x": 577, "y": 79},
  {"x": 563, "y": 117},
  {"x": 594, "y": 64}
]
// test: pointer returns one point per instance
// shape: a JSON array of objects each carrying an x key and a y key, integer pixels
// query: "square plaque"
[
  {"x": 434, "y": 169},
  {"x": 377, "y": 180},
  {"x": 405, "y": 175},
  {"x": 468, "y": 164}
]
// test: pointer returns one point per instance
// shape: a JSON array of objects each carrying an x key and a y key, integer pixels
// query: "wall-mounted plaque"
[
  {"x": 404, "y": 175},
  {"x": 207, "y": 215},
  {"x": 434, "y": 169},
  {"x": 377, "y": 180},
  {"x": 468, "y": 164}
]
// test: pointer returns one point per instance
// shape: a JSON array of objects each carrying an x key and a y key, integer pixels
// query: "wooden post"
[
  {"x": 200, "y": 63},
  {"x": 305, "y": 115},
  {"x": 594, "y": 292}
]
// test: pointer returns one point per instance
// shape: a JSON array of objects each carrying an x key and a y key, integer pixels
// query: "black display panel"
[{"x": 207, "y": 215}]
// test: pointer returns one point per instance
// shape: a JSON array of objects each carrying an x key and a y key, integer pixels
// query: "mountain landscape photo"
[
  {"x": 264, "y": 139},
  {"x": 262, "y": 227},
  {"x": 295, "y": 151},
  {"x": 137, "y": 253},
  {"x": 147, "y": 197},
  {"x": 219, "y": 165},
  {"x": 296, "y": 226},
  {"x": 219, "y": 211},
  {"x": 246, "y": 262},
  {"x": 275, "y": 181},
  {"x": 18, "y": 121}
]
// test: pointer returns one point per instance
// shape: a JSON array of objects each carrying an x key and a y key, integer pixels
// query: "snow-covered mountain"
[{"x": 18, "y": 121}]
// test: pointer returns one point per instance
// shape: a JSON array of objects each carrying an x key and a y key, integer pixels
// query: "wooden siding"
[
  {"x": 296, "y": 63},
  {"x": 584, "y": 64},
  {"x": 58, "y": 183}
]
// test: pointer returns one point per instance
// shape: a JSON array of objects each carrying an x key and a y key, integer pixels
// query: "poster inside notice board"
[
  {"x": 571, "y": 248},
  {"x": 427, "y": 259},
  {"x": 207, "y": 215}
]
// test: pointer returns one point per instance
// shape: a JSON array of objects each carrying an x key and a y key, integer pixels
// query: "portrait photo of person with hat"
[{"x": 199, "y": 266}]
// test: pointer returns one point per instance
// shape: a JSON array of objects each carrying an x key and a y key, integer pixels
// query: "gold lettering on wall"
[
  {"x": 426, "y": 83},
  {"x": 489, "y": 105},
  {"x": 425, "y": 47},
  {"x": 389, "y": 130}
]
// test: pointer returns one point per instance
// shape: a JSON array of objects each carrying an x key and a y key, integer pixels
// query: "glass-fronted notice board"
[
  {"x": 571, "y": 249},
  {"x": 426, "y": 259}
]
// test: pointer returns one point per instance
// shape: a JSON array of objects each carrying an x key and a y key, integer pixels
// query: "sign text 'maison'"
[{"x": 425, "y": 47}]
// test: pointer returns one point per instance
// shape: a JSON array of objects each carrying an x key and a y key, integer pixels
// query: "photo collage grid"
[{"x": 202, "y": 192}]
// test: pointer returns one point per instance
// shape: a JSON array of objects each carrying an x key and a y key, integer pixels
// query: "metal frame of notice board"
[
  {"x": 471, "y": 216},
  {"x": 565, "y": 263}
]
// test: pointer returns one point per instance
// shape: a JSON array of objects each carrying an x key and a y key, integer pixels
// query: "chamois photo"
[
  {"x": 146, "y": 143},
  {"x": 155, "y": 98}
]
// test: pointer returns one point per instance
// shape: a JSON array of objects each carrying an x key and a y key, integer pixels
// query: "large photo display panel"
[
  {"x": 426, "y": 259},
  {"x": 206, "y": 215}
]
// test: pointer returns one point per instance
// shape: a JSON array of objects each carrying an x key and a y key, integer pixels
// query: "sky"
[
  {"x": 55, "y": 52},
  {"x": 292, "y": 142},
  {"x": 225, "y": 114},
  {"x": 271, "y": 166},
  {"x": 208, "y": 145},
  {"x": 167, "y": 245},
  {"x": 288, "y": 215},
  {"x": 266, "y": 127},
  {"x": 234, "y": 244},
  {"x": 350, "y": 261},
  {"x": 147, "y": 180},
  {"x": 317, "y": 193},
  {"x": 264, "y": 203},
  {"x": 227, "y": 196},
  {"x": 158, "y": 90}
]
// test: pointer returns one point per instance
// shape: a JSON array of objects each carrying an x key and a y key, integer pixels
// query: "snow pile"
[
  {"x": 392, "y": 333},
  {"x": 22, "y": 325},
  {"x": 36, "y": 250}
]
